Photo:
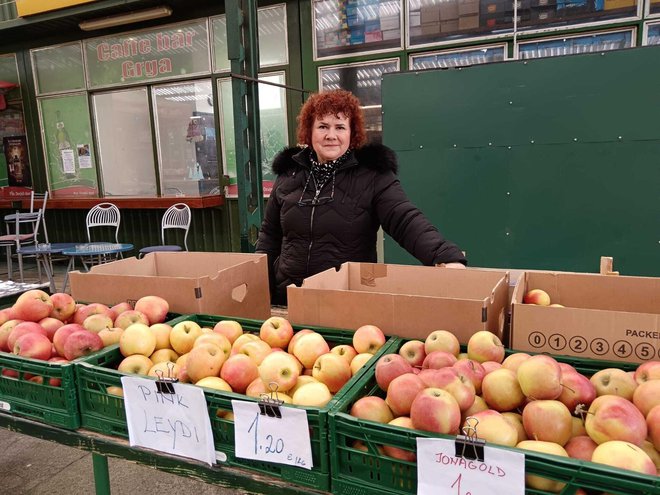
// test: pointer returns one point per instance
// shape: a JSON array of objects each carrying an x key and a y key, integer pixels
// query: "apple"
[
  {"x": 548, "y": 421},
  {"x": 33, "y": 345},
  {"x": 6, "y": 329},
  {"x": 23, "y": 328},
  {"x": 279, "y": 371},
  {"x": 115, "y": 390},
  {"x": 581, "y": 447},
  {"x": 501, "y": 390},
  {"x": 360, "y": 360},
  {"x": 611, "y": 417},
  {"x": 62, "y": 333},
  {"x": 229, "y": 328},
  {"x": 614, "y": 381},
  {"x": 127, "y": 318},
  {"x": 83, "y": 311},
  {"x": 539, "y": 482},
  {"x": 442, "y": 340},
  {"x": 110, "y": 336},
  {"x": 309, "y": 347},
  {"x": 577, "y": 389},
  {"x": 489, "y": 366},
  {"x": 217, "y": 339},
  {"x": 331, "y": 369},
  {"x": 515, "y": 420},
  {"x": 413, "y": 352},
  {"x": 163, "y": 355},
  {"x": 183, "y": 335},
  {"x": 512, "y": 361},
  {"x": 302, "y": 380},
  {"x": 651, "y": 451},
  {"x": 388, "y": 367},
  {"x": 214, "y": 382},
  {"x": 438, "y": 359},
  {"x": 9, "y": 373},
  {"x": 493, "y": 427},
  {"x": 155, "y": 308},
  {"x": 435, "y": 410},
  {"x": 119, "y": 308},
  {"x": 402, "y": 391},
  {"x": 537, "y": 296},
  {"x": 96, "y": 323},
  {"x": 397, "y": 452},
  {"x": 239, "y": 371},
  {"x": 449, "y": 379},
  {"x": 276, "y": 331},
  {"x": 33, "y": 305},
  {"x": 649, "y": 370},
  {"x": 479, "y": 404},
  {"x": 371, "y": 408},
  {"x": 137, "y": 339},
  {"x": 296, "y": 337},
  {"x": 50, "y": 325},
  {"x": 81, "y": 343},
  {"x": 485, "y": 346},
  {"x": 653, "y": 426},
  {"x": 472, "y": 370},
  {"x": 256, "y": 350},
  {"x": 540, "y": 377},
  {"x": 577, "y": 427},
  {"x": 162, "y": 333},
  {"x": 624, "y": 455},
  {"x": 164, "y": 369},
  {"x": 204, "y": 360},
  {"x": 256, "y": 388},
  {"x": 368, "y": 338},
  {"x": 346, "y": 351},
  {"x": 313, "y": 394},
  {"x": 241, "y": 340}
]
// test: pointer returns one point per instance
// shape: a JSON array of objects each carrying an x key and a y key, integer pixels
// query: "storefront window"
[
  {"x": 185, "y": 129},
  {"x": 273, "y": 48},
  {"x": 363, "y": 80},
  {"x": 58, "y": 69},
  {"x": 599, "y": 42},
  {"x": 458, "y": 58},
  {"x": 654, "y": 7},
  {"x": 13, "y": 141},
  {"x": 273, "y": 121},
  {"x": 125, "y": 144},
  {"x": 347, "y": 27},
  {"x": 653, "y": 35}
]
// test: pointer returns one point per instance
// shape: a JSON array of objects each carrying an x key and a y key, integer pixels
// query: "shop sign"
[
  {"x": 31, "y": 7},
  {"x": 146, "y": 56}
]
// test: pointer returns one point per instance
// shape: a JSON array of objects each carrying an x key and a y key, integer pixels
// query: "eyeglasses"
[{"x": 317, "y": 200}]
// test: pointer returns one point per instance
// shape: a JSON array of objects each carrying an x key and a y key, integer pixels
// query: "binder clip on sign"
[
  {"x": 164, "y": 384},
  {"x": 269, "y": 403},
  {"x": 468, "y": 445}
]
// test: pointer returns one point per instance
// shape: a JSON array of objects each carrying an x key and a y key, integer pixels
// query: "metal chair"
[
  {"x": 20, "y": 238},
  {"x": 103, "y": 215},
  {"x": 32, "y": 214},
  {"x": 177, "y": 216}
]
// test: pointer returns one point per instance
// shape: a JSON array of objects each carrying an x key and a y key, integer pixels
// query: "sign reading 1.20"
[{"x": 271, "y": 444}]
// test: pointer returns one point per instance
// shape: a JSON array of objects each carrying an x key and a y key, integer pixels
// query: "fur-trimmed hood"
[{"x": 373, "y": 156}]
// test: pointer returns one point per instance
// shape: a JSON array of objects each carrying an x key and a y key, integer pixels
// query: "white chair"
[
  {"x": 103, "y": 215},
  {"x": 177, "y": 216},
  {"x": 21, "y": 237},
  {"x": 32, "y": 214}
]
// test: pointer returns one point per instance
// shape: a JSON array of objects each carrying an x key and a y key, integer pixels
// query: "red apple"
[
  {"x": 471, "y": 369},
  {"x": 581, "y": 447},
  {"x": 33, "y": 305},
  {"x": 154, "y": 307},
  {"x": 402, "y": 391},
  {"x": 647, "y": 396},
  {"x": 239, "y": 371},
  {"x": 81, "y": 343},
  {"x": 388, "y": 367},
  {"x": 204, "y": 360},
  {"x": 331, "y": 369},
  {"x": 577, "y": 389},
  {"x": 276, "y": 331},
  {"x": 62, "y": 333},
  {"x": 119, "y": 308},
  {"x": 653, "y": 426},
  {"x": 435, "y": 410},
  {"x": 442, "y": 340},
  {"x": 649, "y": 370},
  {"x": 368, "y": 338},
  {"x": 485, "y": 346},
  {"x": 33, "y": 345},
  {"x": 449, "y": 379},
  {"x": 229, "y": 328},
  {"x": 50, "y": 324},
  {"x": 83, "y": 312},
  {"x": 64, "y": 306},
  {"x": 23, "y": 328},
  {"x": 548, "y": 421},
  {"x": 611, "y": 417},
  {"x": 538, "y": 297},
  {"x": 438, "y": 359},
  {"x": 5, "y": 330},
  {"x": 540, "y": 377},
  {"x": 489, "y": 366},
  {"x": 371, "y": 408}
]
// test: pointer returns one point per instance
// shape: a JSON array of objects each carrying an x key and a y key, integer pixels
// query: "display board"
[{"x": 540, "y": 164}]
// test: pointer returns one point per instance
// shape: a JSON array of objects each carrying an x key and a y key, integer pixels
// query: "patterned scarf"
[{"x": 322, "y": 172}]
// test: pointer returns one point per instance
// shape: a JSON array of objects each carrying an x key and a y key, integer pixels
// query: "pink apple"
[
  {"x": 413, "y": 352},
  {"x": 442, "y": 340},
  {"x": 33, "y": 345},
  {"x": 449, "y": 379},
  {"x": 127, "y": 318},
  {"x": 388, "y": 367},
  {"x": 624, "y": 455},
  {"x": 50, "y": 325},
  {"x": 333, "y": 370},
  {"x": 257, "y": 350},
  {"x": 493, "y": 427},
  {"x": 119, "y": 308},
  {"x": 257, "y": 387},
  {"x": 296, "y": 337},
  {"x": 501, "y": 390},
  {"x": 581, "y": 447},
  {"x": 81, "y": 343},
  {"x": 346, "y": 351},
  {"x": 213, "y": 338},
  {"x": 276, "y": 331},
  {"x": 5, "y": 330},
  {"x": 653, "y": 426},
  {"x": 62, "y": 333},
  {"x": 471, "y": 369},
  {"x": 83, "y": 312},
  {"x": 155, "y": 308},
  {"x": 489, "y": 366},
  {"x": 438, "y": 359},
  {"x": 512, "y": 361},
  {"x": 435, "y": 410},
  {"x": 540, "y": 377},
  {"x": 230, "y": 329},
  {"x": 614, "y": 381},
  {"x": 577, "y": 389},
  {"x": 33, "y": 305},
  {"x": 309, "y": 347},
  {"x": 402, "y": 391},
  {"x": 611, "y": 417},
  {"x": 204, "y": 360},
  {"x": 485, "y": 346},
  {"x": 6, "y": 315},
  {"x": 372, "y": 408},
  {"x": 647, "y": 396},
  {"x": 23, "y": 328},
  {"x": 64, "y": 306},
  {"x": 548, "y": 421},
  {"x": 239, "y": 371},
  {"x": 279, "y": 371},
  {"x": 515, "y": 419},
  {"x": 649, "y": 370},
  {"x": 537, "y": 296},
  {"x": 368, "y": 338}
]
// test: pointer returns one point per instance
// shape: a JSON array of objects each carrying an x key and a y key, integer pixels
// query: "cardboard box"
[
  {"x": 229, "y": 284},
  {"x": 468, "y": 22},
  {"x": 468, "y": 7},
  {"x": 448, "y": 10},
  {"x": 408, "y": 301},
  {"x": 430, "y": 29},
  {"x": 605, "y": 317}
]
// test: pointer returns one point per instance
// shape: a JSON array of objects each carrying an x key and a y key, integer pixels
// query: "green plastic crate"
[
  {"x": 103, "y": 412},
  {"x": 370, "y": 472}
]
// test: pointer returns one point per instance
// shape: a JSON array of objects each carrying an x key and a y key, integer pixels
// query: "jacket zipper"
[{"x": 311, "y": 239}]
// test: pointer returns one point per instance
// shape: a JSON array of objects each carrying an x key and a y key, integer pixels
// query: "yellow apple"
[
  {"x": 137, "y": 339},
  {"x": 539, "y": 482},
  {"x": 229, "y": 328},
  {"x": 217, "y": 339},
  {"x": 110, "y": 336},
  {"x": 313, "y": 394},
  {"x": 136, "y": 364},
  {"x": 164, "y": 369},
  {"x": 183, "y": 335},
  {"x": 161, "y": 355},
  {"x": 215, "y": 383},
  {"x": 279, "y": 371},
  {"x": 204, "y": 360},
  {"x": 162, "y": 333},
  {"x": 360, "y": 360}
]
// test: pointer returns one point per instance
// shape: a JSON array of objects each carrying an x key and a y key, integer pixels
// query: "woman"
[{"x": 331, "y": 196}]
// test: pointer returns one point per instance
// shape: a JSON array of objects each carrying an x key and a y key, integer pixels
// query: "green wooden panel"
[{"x": 545, "y": 164}]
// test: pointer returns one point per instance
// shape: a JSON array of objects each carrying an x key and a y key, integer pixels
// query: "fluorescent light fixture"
[{"x": 127, "y": 18}]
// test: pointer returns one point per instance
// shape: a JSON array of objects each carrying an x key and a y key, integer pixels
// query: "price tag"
[
  {"x": 441, "y": 472},
  {"x": 176, "y": 423},
  {"x": 282, "y": 440}
]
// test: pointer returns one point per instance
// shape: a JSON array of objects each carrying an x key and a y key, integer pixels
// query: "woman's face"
[{"x": 331, "y": 136}]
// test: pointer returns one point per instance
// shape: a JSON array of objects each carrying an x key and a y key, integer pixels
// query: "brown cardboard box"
[
  {"x": 605, "y": 317},
  {"x": 468, "y": 22},
  {"x": 231, "y": 284},
  {"x": 468, "y": 7},
  {"x": 408, "y": 301}
]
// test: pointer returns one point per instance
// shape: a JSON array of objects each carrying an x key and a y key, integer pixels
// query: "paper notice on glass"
[
  {"x": 441, "y": 472},
  {"x": 68, "y": 161},
  {"x": 176, "y": 423},
  {"x": 84, "y": 156}
]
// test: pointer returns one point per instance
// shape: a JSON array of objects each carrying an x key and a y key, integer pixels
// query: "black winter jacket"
[{"x": 302, "y": 238}]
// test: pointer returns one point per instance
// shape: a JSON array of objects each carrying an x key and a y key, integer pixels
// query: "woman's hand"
[{"x": 454, "y": 264}]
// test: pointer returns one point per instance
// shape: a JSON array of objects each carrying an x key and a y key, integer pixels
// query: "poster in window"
[{"x": 18, "y": 165}]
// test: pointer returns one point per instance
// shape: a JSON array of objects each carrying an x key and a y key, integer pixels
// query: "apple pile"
[
  {"x": 532, "y": 402},
  {"x": 540, "y": 298},
  {"x": 55, "y": 329},
  {"x": 300, "y": 367}
]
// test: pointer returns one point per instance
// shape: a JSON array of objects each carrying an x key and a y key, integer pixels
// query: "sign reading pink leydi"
[{"x": 133, "y": 57}]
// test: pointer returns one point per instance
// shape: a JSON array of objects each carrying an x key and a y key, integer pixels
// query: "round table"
[{"x": 95, "y": 251}]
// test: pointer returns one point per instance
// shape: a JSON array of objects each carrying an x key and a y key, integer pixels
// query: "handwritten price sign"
[
  {"x": 440, "y": 472},
  {"x": 282, "y": 440},
  {"x": 175, "y": 423}
]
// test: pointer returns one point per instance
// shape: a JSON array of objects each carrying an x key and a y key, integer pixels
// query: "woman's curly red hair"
[{"x": 332, "y": 103}]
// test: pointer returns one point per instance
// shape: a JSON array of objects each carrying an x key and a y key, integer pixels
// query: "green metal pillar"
[{"x": 243, "y": 51}]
